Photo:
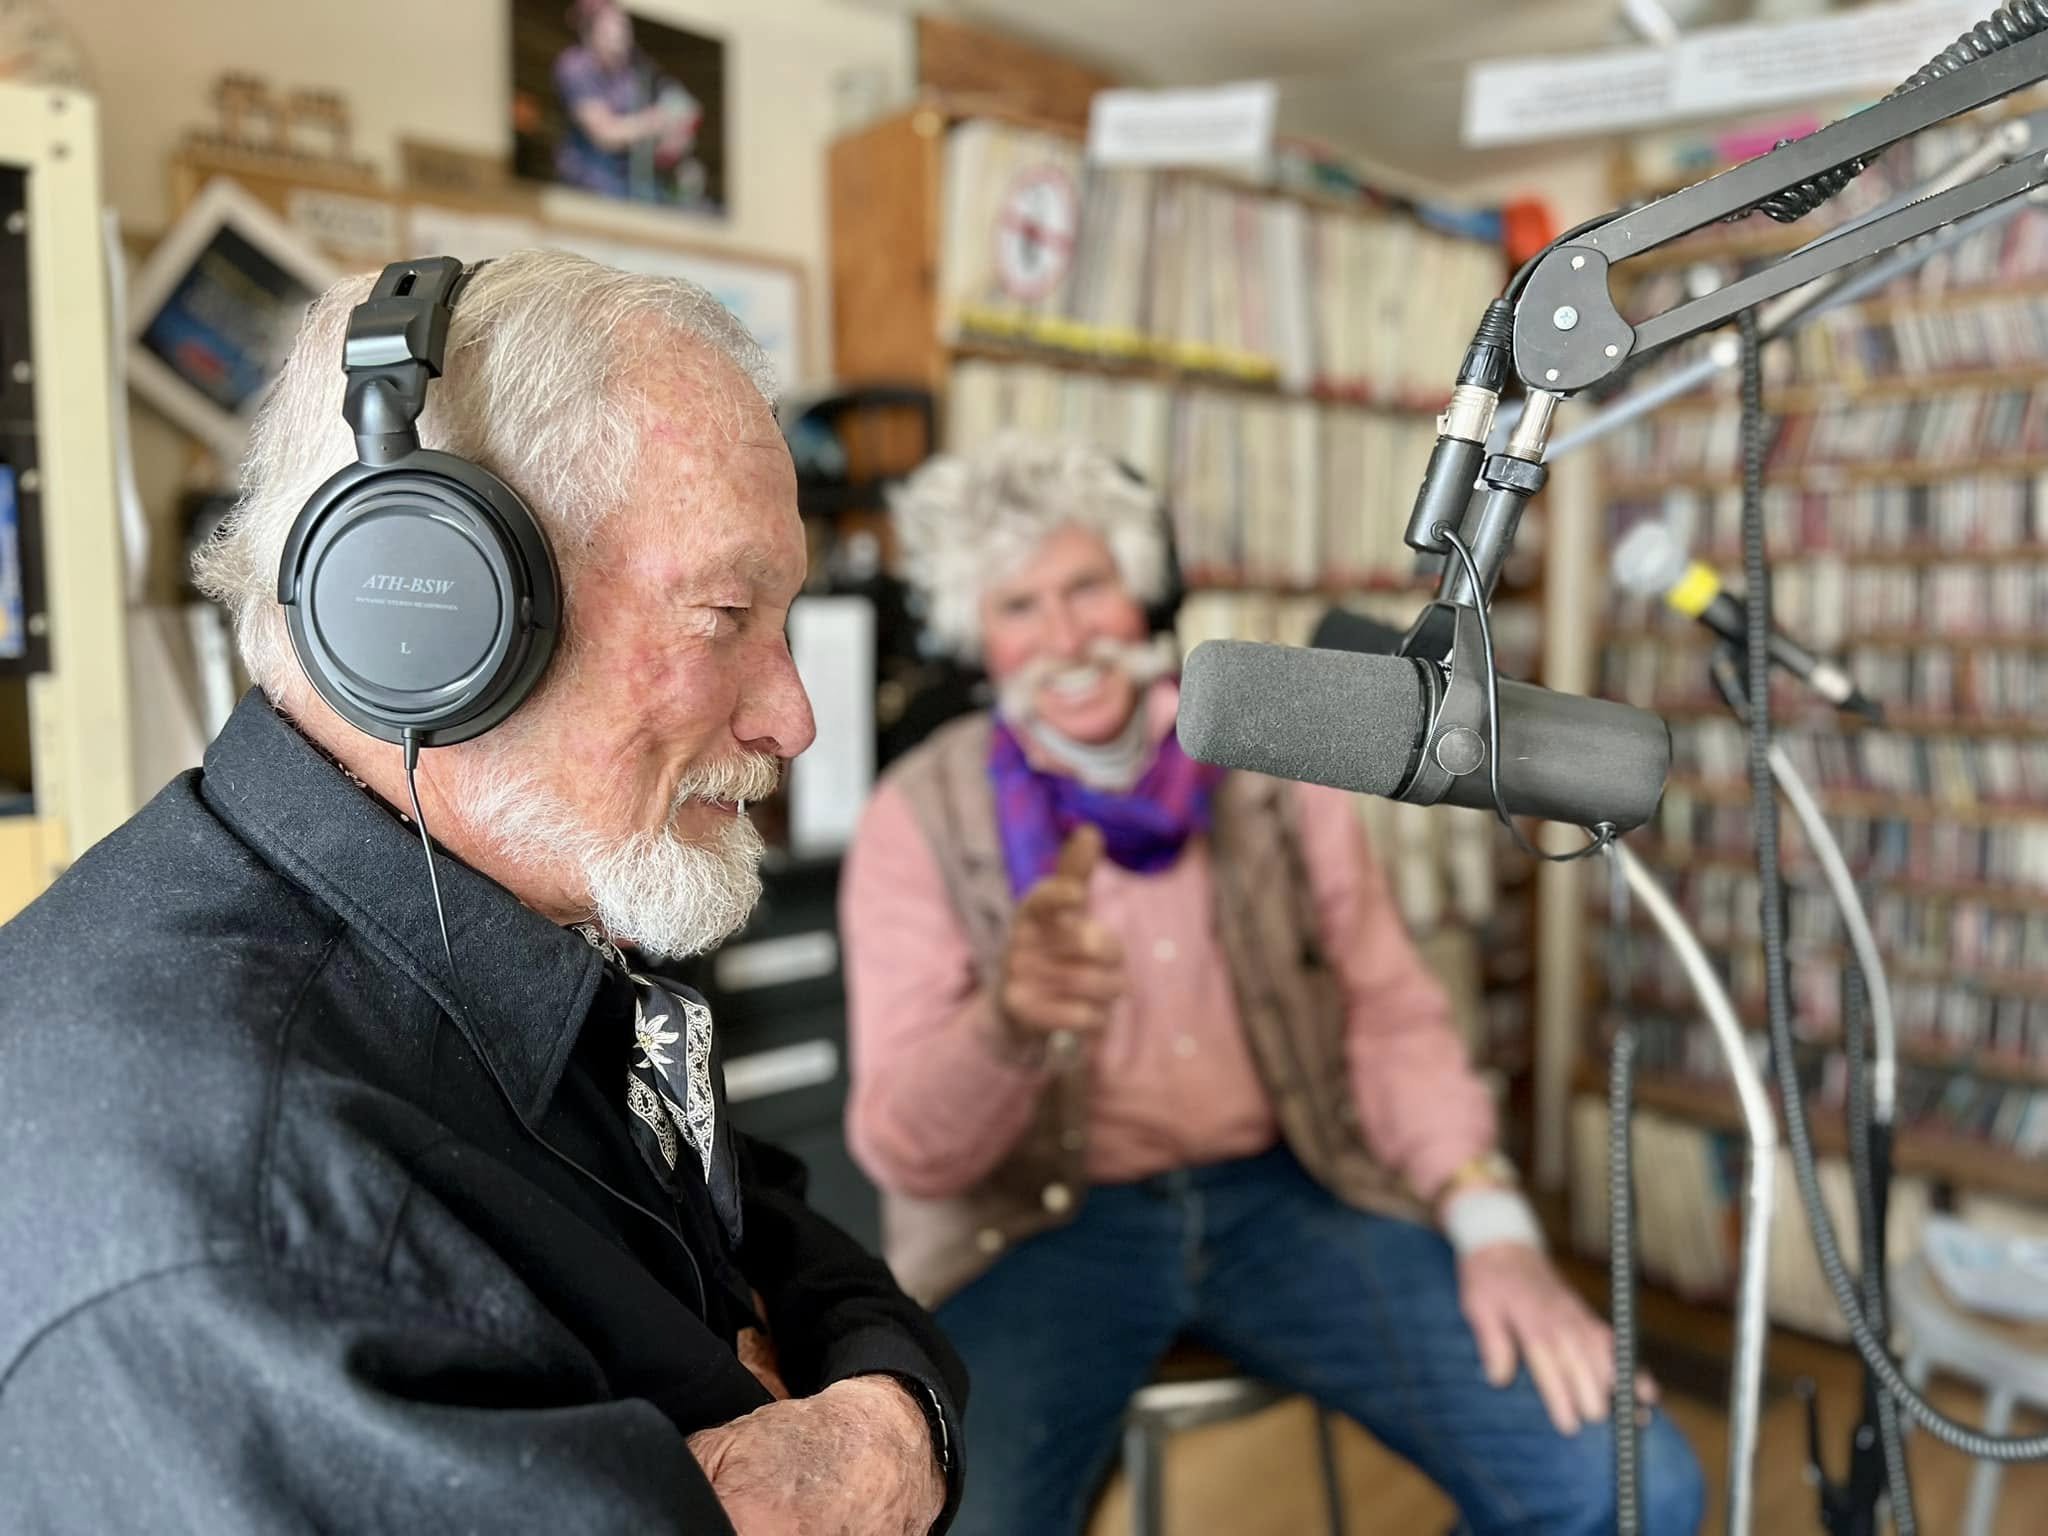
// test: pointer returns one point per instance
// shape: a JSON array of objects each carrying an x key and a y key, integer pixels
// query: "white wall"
[{"x": 438, "y": 70}]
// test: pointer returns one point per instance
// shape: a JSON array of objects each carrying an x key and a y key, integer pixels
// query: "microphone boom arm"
[{"x": 1568, "y": 334}]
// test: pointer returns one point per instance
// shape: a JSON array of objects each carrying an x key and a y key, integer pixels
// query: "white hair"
[
  {"x": 544, "y": 352},
  {"x": 965, "y": 521}
]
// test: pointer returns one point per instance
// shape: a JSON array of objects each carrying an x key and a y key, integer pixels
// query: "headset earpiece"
[
  {"x": 1162, "y": 616},
  {"x": 420, "y": 592}
]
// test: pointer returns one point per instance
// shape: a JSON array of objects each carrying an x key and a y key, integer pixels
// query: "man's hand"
[
  {"x": 855, "y": 1460},
  {"x": 1063, "y": 969},
  {"x": 1518, "y": 1306}
]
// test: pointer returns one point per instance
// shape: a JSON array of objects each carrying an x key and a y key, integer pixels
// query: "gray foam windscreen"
[
  {"x": 1341, "y": 718},
  {"x": 1649, "y": 560}
]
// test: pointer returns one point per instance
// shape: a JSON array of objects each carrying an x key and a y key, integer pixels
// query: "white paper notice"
[
  {"x": 1224, "y": 125},
  {"x": 1716, "y": 70}
]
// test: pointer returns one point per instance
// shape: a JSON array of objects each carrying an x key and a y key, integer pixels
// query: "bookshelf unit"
[
  {"x": 1272, "y": 359},
  {"x": 1906, "y": 509}
]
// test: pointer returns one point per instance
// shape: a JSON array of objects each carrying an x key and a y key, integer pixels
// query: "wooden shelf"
[
  {"x": 1118, "y": 365},
  {"x": 1932, "y": 1154},
  {"x": 2013, "y": 983},
  {"x": 1902, "y": 472},
  {"x": 1870, "y": 804},
  {"x": 1913, "y": 1049},
  {"x": 2010, "y": 897},
  {"x": 1803, "y": 716},
  {"x": 1811, "y": 555},
  {"x": 1693, "y": 637}
]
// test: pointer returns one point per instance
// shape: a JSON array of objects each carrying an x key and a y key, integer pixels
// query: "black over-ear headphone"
[
  {"x": 1162, "y": 615},
  {"x": 422, "y": 597}
]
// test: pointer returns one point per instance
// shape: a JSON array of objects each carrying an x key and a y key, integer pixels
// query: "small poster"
[{"x": 609, "y": 102}]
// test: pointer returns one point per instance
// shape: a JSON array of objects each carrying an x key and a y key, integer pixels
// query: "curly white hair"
[{"x": 965, "y": 521}]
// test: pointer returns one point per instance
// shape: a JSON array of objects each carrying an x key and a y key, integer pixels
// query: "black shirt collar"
[{"x": 526, "y": 984}]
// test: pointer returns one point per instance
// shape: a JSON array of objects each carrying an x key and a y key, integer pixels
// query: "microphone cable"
[{"x": 1602, "y": 833}]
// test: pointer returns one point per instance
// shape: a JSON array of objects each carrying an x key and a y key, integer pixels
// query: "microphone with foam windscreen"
[
  {"x": 1379, "y": 724},
  {"x": 1651, "y": 561}
]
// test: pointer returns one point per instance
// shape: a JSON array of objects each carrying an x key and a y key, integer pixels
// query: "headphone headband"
[{"x": 395, "y": 343}]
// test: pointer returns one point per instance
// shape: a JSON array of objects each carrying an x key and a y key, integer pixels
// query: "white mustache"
[
  {"x": 1143, "y": 662},
  {"x": 749, "y": 776}
]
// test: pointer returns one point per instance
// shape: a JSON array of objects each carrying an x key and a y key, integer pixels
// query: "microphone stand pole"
[{"x": 1745, "y": 1385}]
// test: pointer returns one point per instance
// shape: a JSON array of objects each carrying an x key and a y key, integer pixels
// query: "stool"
[
  {"x": 1194, "y": 1387},
  {"x": 2010, "y": 1361}
]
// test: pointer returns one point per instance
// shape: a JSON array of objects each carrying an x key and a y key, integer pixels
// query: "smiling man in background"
[
  {"x": 1142, "y": 1051},
  {"x": 301, "y": 1229}
]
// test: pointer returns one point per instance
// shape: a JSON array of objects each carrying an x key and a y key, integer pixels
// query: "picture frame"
[
  {"x": 213, "y": 310},
  {"x": 765, "y": 293}
]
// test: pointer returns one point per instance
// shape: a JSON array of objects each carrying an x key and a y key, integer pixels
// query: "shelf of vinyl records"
[
  {"x": 961, "y": 228},
  {"x": 1266, "y": 492},
  {"x": 1906, "y": 512},
  {"x": 1268, "y": 358}
]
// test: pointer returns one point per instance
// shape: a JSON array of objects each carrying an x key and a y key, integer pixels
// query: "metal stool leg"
[
  {"x": 1984, "y": 1481},
  {"x": 1143, "y": 1470},
  {"x": 1326, "y": 1453}
]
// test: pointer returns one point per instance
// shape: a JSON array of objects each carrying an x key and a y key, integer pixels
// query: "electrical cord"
[
  {"x": 1770, "y": 869},
  {"x": 1621, "y": 1239},
  {"x": 2014, "y": 22},
  {"x": 1870, "y": 1224},
  {"x": 1604, "y": 833}
]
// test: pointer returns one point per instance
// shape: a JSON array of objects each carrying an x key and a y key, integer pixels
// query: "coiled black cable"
[
  {"x": 1777, "y": 986},
  {"x": 2013, "y": 22},
  {"x": 1621, "y": 1273}
]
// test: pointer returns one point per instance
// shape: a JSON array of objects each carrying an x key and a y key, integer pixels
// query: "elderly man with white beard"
[
  {"x": 308, "y": 1223},
  {"x": 1141, "y": 1051}
]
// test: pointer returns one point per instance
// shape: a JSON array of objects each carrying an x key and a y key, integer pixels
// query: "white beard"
[{"x": 668, "y": 896}]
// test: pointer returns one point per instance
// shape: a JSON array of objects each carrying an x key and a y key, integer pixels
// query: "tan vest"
[{"x": 1287, "y": 996}]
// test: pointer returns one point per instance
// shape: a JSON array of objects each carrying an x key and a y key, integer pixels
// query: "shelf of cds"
[{"x": 1906, "y": 511}]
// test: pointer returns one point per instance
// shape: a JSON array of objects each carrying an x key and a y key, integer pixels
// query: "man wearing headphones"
[
  {"x": 1142, "y": 1052},
  {"x": 363, "y": 1171}
]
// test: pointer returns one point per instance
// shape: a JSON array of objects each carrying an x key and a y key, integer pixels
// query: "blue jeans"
[{"x": 1260, "y": 1263}]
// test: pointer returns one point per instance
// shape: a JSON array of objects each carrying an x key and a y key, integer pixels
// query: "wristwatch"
[
  {"x": 934, "y": 1421},
  {"x": 1487, "y": 1168}
]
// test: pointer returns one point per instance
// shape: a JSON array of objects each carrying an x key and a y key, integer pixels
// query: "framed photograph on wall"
[
  {"x": 213, "y": 311},
  {"x": 611, "y": 103},
  {"x": 766, "y": 294}
]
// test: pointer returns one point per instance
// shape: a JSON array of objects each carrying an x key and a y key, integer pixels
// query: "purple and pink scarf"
[{"x": 1143, "y": 828}]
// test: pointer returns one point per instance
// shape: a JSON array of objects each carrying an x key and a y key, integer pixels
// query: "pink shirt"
[{"x": 937, "y": 1102}]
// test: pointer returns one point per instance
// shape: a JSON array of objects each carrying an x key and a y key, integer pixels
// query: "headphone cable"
[{"x": 412, "y": 762}]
